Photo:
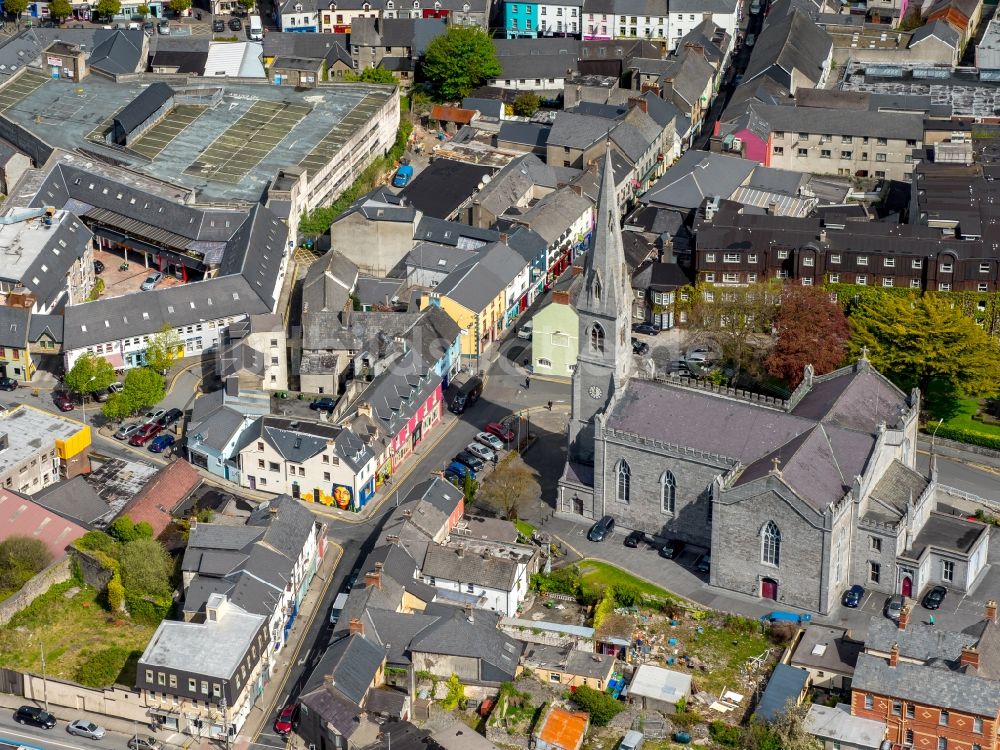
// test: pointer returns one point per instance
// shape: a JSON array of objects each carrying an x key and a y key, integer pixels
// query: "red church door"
[
  {"x": 769, "y": 589},
  {"x": 907, "y": 588}
]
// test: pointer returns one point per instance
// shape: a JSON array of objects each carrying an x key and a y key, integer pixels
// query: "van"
[
  {"x": 338, "y": 606},
  {"x": 467, "y": 395},
  {"x": 632, "y": 741},
  {"x": 524, "y": 332},
  {"x": 256, "y": 32}
]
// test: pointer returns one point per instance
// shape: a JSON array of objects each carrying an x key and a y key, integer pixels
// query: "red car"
[
  {"x": 504, "y": 433},
  {"x": 287, "y": 720},
  {"x": 145, "y": 433},
  {"x": 64, "y": 401}
]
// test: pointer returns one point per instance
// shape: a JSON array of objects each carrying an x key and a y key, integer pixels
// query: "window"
[
  {"x": 730, "y": 278},
  {"x": 260, "y": 446},
  {"x": 149, "y": 675},
  {"x": 824, "y": 153},
  {"x": 710, "y": 278},
  {"x": 869, "y": 702},
  {"x": 260, "y": 463},
  {"x": 751, "y": 278},
  {"x": 983, "y": 287},
  {"x": 808, "y": 260},
  {"x": 470, "y": 588},
  {"x": 779, "y": 133},
  {"x": 835, "y": 259},
  {"x": 942, "y": 741},
  {"x": 947, "y": 571},
  {"x": 911, "y": 713},
  {"x": 273, "y": 466},
  {"x": 710, "y": 257},
  {"x": 803, "y": 152},
  {"x": 846, "y": 139},
  {"x": 914, "y": 283},
  {"x": 977, "y": 725},
  {"x": 897, "y": 708},
  {"x": 752, "y": 258},
  {"x": 668, "y": 492},
  {"x": 946, "y": 267},
  {"x": 874, "y": 572},
  {"x": 875, "y": 543},
  {"x": 917, "y": 263},
  {"x": 889, "y": 262},
  {"x": 553, "y": 677},
  {"x": 861, "y": 280},
  {"x": 782, "y": 255},
  {"x": 846, "y": 154},
  {"x": 161, "y": 678},
  {"x": 624, "y": 481},
  {"x": 862, "y": 260},
  {"x": 887, "y": 281},
  {"x": 770, "y": 553},
  {"x": 326, "y": 476},
  {"x": 192, "y": 685},
  {"x": 597, "y": 339},
  {"x": 807, "y": 281},
  {"x": 909, "y": 733},
  {"x": 173, "y": 681},
  {"x": 881, "y": 142},
  {"x": 879, "y": 157},
  {"x": 731, "y": 258},
  {"x": 779, "y": 150},
  {"x": 944, "y": 287},
  {"x": 803, "y": 136},
  {"x": 216, "y": 690},
  {"x": 834, "y": 278},
  {"x": 204, "y": 687}
]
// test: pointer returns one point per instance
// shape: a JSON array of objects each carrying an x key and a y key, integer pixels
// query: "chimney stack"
[
  {"x": 894, "y": 655},
  {"x": 969, "y": 657},
  {"x": 357, "y": 627},
  {"x": 504, "y": 237},
  {"x": 991, "y": 611},
  {"x": 904, "y": 617},
  {"x": 374, "y": 578},
  {"x": 578, "y": 189},
  {"x": 460, "y": 551},
  {"x": 468, "y": 613}
]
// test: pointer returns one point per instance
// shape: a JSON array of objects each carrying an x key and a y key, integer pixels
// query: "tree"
[
  {"x": 459, "y": 60},
  {"x": 784, "y": 731},
  {"x": 737, "y": 319},
  {"x": 21, "y": 557},
  {"x": 117, "y": 407},
  {"x": 601, "y": 706},
  {"x": 116, "y": 593},
  {"x": 526, "y": 104},
  {"x": 455, "y": 695},
  {"x": 247, "y": 5},
  {"x": 812, "y": 330},
  {"x": 17, "y": 7},
  {"x": 163, "y": 348},
  {"x": 372, "y": 75},
  {"x": 146, "y": 567},
  {"x": 917, "y": 341},
  {"x": 143, "y": 387},
  {"x": 60, "y": 9},
  {"x": 90, "y": 374},
  {"x": 123, "y": 530},
  {"x": 511, "y": 486},
  {"x": 142, "y": 10},
  {"x": 180, "y": 6},
  {"x": 108, "y": 8}
]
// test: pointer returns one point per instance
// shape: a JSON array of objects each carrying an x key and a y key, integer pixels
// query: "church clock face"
[{"x": 595, "y": 392}]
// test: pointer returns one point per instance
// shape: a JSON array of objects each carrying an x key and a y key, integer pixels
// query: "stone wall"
[
  {"x": 56, "y": 573},
  {"x": 115, "y": 702},
  {"x": 92, "y": 570}
]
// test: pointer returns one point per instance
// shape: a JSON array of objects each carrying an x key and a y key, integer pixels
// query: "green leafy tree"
[
  {"x": 455, "y": 695},
  {"x": 601, "y": 706},
  {"x": 146, "y": 567},
  {"x": 163, "y": 348},
  {"x": 21, "y": 557},
  {"x": 108, "y": 8},
  {"x": 123, "y": 530},
  {"x": 90, "y": 374},
  {"x": 102, "y": 668},
  {"x": 247, "y": 5},
  {"x": 144, "y": 530},
  {"x": 918, "y": 341},
  {"x": 143, "y": 387},
  {"x": 116, "y": 593},
  {"x": 17, "y": 7},
  {"x": 142, "y": 10},
  {"x": 469, "y": 487},
  {"x": 812, "y": 330},
  {"x": 526, "y": 104},
  {"x": 180, "y": 6},
  {"x": 60, "y": 9},
  {"x": 118, "y": 407},
  {"x": 372, "y": 75},
  {"x": 459, "y": 60},
  {"x": 784, "y": 732}
]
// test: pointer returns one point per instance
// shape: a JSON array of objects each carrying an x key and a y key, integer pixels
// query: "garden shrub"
[
  {"x": 601, "y": 706},
  {"x": 148, "y": 610},
  {"x": 101, "y": 669},
  {"x": 725, "y": 735}
]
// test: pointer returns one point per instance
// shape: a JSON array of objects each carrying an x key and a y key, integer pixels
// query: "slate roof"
[
  {"x": 140, "y": 109},
  {"x": 120, "y": 52},
  {"x": 828, "y": 649},
  {"x": 837, "y": 121},
  {"x": 914, "y": 682},
  {"x": 444, "y": 186},
  {"x": 787, "y": 43},
  {"x": 659, "y": 276},
  {"x": 536, "y": 58},
  {"x": 578, "y": 131},
  {"x": 898, "y": 487},
  {"x": 453, "y": 233},
  {"x": 940, "y": 30},
  {"x": 918, "y": 641},
  {"x": 568, "y": 660},
  {"x": 396, "y": 395},
  {"x": 553, "y": 215},
  {"x": 952, "y": 533},
  {"x": 74, "y": 499},
  {"x": 786, "y": 683},
  {"x": 156, "y": 501},
  {"x": 464, "y": 566},
  {"x": 353, "y": 662},
  {"x": 453, "y": 635},
  {"x": 297, "y": 44},
  {"x": 839, "y": 725},
  {"x": 514, "y": 183},
  {"x": 491, "y": 108},
  {"x": 14, "y": 326},
  {"x": 434, "y": 257},
  {"x": 475, "y": 283},
  {"x": 342, "y": 714},
  {"x": 698, "y": 175},
  {"x": 186, "y": 61}
]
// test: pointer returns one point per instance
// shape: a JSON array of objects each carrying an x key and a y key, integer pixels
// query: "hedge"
[
  {"x": 967, "y": 436},
  {"x": 101, "y": 669},
  {"x": 147, "y": 610}
]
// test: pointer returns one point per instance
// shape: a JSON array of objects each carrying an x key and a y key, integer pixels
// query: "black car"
[
  {"x": 235, "y": 24},
  {"x": 323, "y": 404},
  {"x": 147, "y": 26},
  {"x": 170, "y": 417},
  {"x": 648, "y": 328},
  {"x": 37, "y": 716},
  {"x": 352, "y": 579},
  {"x": 634, "y": 538},
  {"x": 934, "y": 598},
  {"x": 98, "y": 267},
  {"x": 640, "y": 347},
  {"x": 602, "y": 529},
  {"x": 218, "y": 25},
  {"x": 853, "y": 596},
  {"x": 8, "y": 384},
  {"x": 672, "y": 549},
  {"x": 703, "y": 564},
  {"x": 473, "y": 462}
]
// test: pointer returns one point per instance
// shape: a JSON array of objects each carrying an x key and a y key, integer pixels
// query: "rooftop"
[
  {"x": 827, "y": 649},
  {"x": 30, "y": 431},
  {"x": 21, "y": 517},
  {"x": 839, "y": 725},
  {"x": 564, "y": 729}
]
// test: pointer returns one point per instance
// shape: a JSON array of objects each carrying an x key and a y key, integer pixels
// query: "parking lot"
[{"x": 120, "y": 281}]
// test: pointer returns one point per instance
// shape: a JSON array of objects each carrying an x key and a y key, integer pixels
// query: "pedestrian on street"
[
  {"x": 527, "y": 382},
  {"x": 930, "y": 620},
  {"x": 550, "y": 406}
]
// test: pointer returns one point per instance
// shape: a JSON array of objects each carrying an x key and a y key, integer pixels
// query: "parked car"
[
  {"x": 116, "y": 388},
  {"x": 287, "y": 720},
  {"x": 639, "y": 347},
  {"x": 218, "y": 26},
  {"x": 781, "y": 616},
  {"x": 172, "y": 415},
  {"x": 467, "y": 395},
  {"x": 323, "y": 404},
  {"x": 751, "y": 40},
  {"x": 63, "y": 401},
  {"x": 33, "y": 715},
  {"x": 144, "y": 742},
  {"x": 700, "y": 354},
  {"x": 85, "y": 728},
  {"x": 473, "y": 462},
  {"x": 894, "y": 606},
  {"x": 602, "y": 529},
  {"x": 504, "y": 433},
  {"x": 490, "y": 441},
  {"x": 352, "y": 579},
  {"x": 153, "y": 279},
  {"x": 98, "y": 268},
  {"x": 480, "y": 450},
  {"x": 680, "y": 367},
  {"x": 457, "y": 480},
  {"x": 8, "y": 384},
  {"x": 671, "y": 549},
  {"x": 647, "y": 328},
  {"x": 235, "y": 24},
  {"x": 160, "y": 443},
  {"x": 403, "y": 176},
  {"x": 144, "y": 434},
  {"x": 127, "y": 430},
  {"x": 934, "y": 598},
  {"x": 148, "y": 26},
  {"x": 524, "y": 332},
  {"x": 457, "y": 467},
  {"x": 164, "y": 28},
  {"x": 703, "y": 564},
  {"x": 152, "y": 416},
  {"x": 634, "y": 538},
  {"x": 853, "y": 596}
]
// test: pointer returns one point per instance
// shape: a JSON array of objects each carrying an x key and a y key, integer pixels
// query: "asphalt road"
[
  {"x": 982, "y": 482},
  {"x": 58, "y": 738}
]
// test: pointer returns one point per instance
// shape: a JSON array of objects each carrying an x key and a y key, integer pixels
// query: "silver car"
[
  {"x": 490, "y": 440},
  {"x": 480, "y": 451},
  {"x": 85, "y": 728},
  {"x": 127, "y": 430},
  {"x": 153, "y": 279}
]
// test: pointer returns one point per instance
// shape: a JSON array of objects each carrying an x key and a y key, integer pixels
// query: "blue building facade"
[{"x": 520, "y": 19}]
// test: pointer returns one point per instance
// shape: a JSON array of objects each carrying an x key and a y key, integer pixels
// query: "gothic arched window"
[
  {"x": 770, "y": 544},
  {"x": 624, "y": 486},
  {"x": 597, "y": 338},
  {"x": 668, "y": 492}
]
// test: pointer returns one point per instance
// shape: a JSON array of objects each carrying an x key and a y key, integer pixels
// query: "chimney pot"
[
  {"x": 969, "y": 657},
  {"x": 357, "y": 627},
  {"x": 894, "y": 655},
  {"x": 503, "y": 237},
  {"x": 578, "y": 189},
  {"x": 374, "y": 578},
  {"x": 904, "y": 617},
  {"x": 991, "y": 610}
]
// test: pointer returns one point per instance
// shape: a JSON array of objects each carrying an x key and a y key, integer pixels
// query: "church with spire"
[{"x": 791, "y": 500}]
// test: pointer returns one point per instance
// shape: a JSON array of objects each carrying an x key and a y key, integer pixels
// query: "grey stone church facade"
[{"x": 795, "y": 500}]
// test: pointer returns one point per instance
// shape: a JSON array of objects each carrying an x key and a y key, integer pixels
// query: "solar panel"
[{"x": 932, "y": 73}]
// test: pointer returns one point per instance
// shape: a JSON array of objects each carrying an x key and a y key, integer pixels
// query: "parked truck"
[{"x": 256, "y": 29}]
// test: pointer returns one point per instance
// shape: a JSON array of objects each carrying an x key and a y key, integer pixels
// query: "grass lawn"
[
  {"x": 524, "y": 528},
  {"x": 70, "y": 628},
  {"x": 726, "y": 651},
  {"x": 962, "y": 419},
  {"x": 598, "y": 574}
]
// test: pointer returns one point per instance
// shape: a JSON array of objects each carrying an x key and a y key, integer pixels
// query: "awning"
[{"x": 115, "y": 359}]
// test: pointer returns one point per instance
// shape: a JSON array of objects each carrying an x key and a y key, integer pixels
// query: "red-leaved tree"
[{"x": 812, "y": 330}]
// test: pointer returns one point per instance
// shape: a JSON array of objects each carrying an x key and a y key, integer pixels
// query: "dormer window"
[
  {"x": 416, "y": 3},
  {"x": 390, "y": 5},
  {"x": 437, "y": 5},
  {"x": 298, "y": 7}
]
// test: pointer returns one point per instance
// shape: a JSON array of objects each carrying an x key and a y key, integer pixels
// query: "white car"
[
  {"x": 481, "y": 451},
  {"x": 152, "y": 416},
  {"x": 490, "y": 441},
  {"x": 524, "y": 332},
  {"x": 701, "y": 354}
]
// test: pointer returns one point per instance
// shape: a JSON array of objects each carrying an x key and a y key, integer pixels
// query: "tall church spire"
[{"x": 607, "y": 283}]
